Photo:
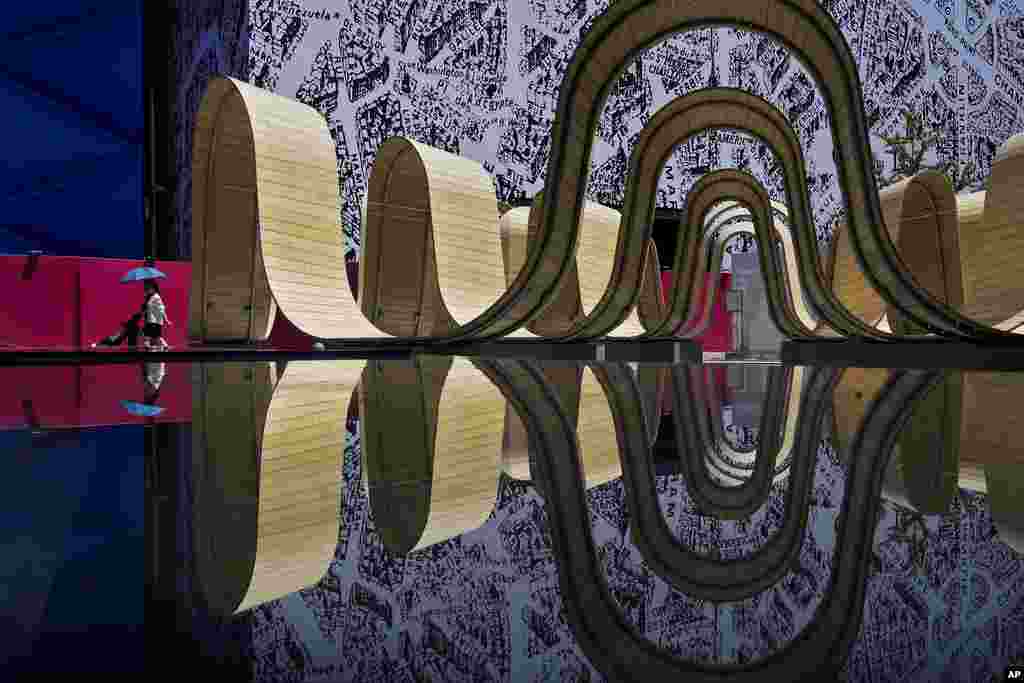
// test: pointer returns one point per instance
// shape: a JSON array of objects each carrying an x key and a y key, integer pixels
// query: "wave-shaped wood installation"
[
  {"x": 727, "y": 222},
  {"x": 589, "y": 274},
  {"x": 812, "y": 36},
  {"x": 266, "y": 231}
]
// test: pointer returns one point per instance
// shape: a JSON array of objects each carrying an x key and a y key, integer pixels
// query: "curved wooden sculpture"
[
  {"x": 230, "y": 297},
  {"x": 992, "y": 249},
  {"x": 267, "y": 513},
  {"x": 709, "y": 191},
  {"x": 589, "y": 274},
  {"x": 437, "y": 476},
  {"x": 266, "y": 206},
  {"x": 807, "y": 30},
  {"x": 921, "y": 217},
  {"x": 278, "y": 154},
  {"x": 723, "y": 107},
  {"x": 735, "y": 217},
  {"x": 963, "y": 249}
]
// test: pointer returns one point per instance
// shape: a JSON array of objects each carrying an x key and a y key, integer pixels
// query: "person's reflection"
[{"x": 152, "y": 378}]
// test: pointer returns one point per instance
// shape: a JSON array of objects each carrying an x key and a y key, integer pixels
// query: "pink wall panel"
[{"x": 38, "y": 301}]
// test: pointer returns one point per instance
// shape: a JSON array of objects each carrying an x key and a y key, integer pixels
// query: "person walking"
[{"x": 154, "y": 317}]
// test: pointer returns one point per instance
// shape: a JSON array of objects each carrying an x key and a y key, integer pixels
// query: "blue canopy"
[
  {"x": 144, "y": 273},
  {"x": 141, "y": 409}
]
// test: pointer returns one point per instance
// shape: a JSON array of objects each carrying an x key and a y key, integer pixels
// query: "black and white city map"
[{"x": 480, "y": 78}]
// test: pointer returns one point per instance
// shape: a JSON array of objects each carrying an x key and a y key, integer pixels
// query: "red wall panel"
[{"x": 38, "y": 306}]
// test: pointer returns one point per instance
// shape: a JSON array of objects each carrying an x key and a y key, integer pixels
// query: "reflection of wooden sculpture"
[
  {"x": 959, "y": 435},
  {"x": 267, "y": 513},
  {"x": 435, "y": 475},
  {"x": 734, "y": 465},
  {"x": 586, "y": 405}
]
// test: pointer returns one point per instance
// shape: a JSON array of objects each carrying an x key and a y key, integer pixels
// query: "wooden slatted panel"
[
  {"x": 595, "y": 260},
  {"x": 589, "y": 275},
  {"x": 651, "y": 308},
  {"x": 230, "y": 406},
  {"x": 854, "y": 392},
  {"x": 454, "y": 199},
  {"x": 230, "y": 240},
  {"x": 993, "y": 442},
  {"x": 299, "y": 215},
  {"x": 929, "y": 244},
  {"x": 202, "y": 149},
  {"x": 467, "y": 454},
  {"x": 993, "y": 248},
  {"x": 395, "y": 242},
  {"x": 222, "y": 175},
  {"x": 849, "y": 283},
  {"x": 514, "y": 228},
  {"x": 300, "y": 490},
  {"x": 599, "y": 446}
]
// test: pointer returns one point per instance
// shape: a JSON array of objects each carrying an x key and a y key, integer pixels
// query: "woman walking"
[{"x": 155, "y": 317}]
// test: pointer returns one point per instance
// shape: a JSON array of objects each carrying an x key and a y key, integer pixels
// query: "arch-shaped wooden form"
[
  {"x": 589, "y": 273},
  {"x": 265, "y": 192},
  {"x": 808, "y": 31},
  {"x": 992, "y": 249},
  {"x": 267, "y": 513},
  {"x": 230, "y": 296},
  {"x": 437, "y": 477},
  {"x": 730, "y": 108},
  {"x": 921, "y": 217},
  {"x": 710, "y": 190},
  {"x": 823, "y": 645},
  {"x": 734, "y": 215},
  {"x": 430, "y": 218}
]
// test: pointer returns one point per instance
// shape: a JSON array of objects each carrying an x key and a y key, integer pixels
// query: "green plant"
[{"x": 910, "y": 148}]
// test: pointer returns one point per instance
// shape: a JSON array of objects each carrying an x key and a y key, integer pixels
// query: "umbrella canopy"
[
  {"x": 141, "y": 409},
  {"x": 144, "y": 273}
]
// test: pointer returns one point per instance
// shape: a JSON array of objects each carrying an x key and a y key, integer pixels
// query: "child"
[{"x": 155, "y": 317}]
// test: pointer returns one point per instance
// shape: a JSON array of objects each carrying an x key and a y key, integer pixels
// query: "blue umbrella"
[
  {"x": 144, "y": 273},
  {"x": 141, "y": 409}
]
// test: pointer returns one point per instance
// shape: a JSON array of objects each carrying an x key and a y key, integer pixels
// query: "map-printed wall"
[{"x": 481, "y": 78}]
